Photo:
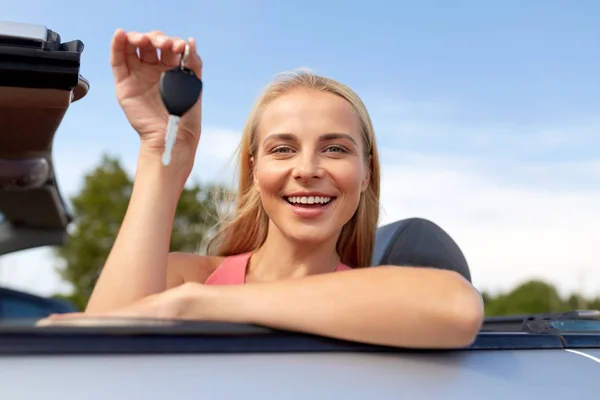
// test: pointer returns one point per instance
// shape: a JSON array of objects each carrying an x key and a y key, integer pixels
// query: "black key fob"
[{"x": 179, "y": 89}]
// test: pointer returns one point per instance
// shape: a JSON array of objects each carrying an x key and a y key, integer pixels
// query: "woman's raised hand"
[{"x": 138, "y": 60}]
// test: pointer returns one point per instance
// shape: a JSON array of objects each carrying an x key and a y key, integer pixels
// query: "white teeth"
[{"x": 309, "y": 199}]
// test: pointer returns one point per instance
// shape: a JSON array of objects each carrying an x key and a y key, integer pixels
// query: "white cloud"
[
  {"x": 508, "y": 232},
  {"x": 431, "y": 125},
  {"x": 31, "y": 271}
]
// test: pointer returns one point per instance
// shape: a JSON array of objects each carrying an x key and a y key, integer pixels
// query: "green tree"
[
  {"x": 530, "y": 297},
  {"x": 99, "y": 209}
]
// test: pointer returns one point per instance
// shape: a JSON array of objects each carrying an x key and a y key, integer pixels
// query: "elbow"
[
  {"x": 467, "y": 315},
  {"x": 450, "y": 318},
  {"x": 467, "y": 327}
]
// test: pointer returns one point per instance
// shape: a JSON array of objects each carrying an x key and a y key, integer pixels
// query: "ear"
[{"x": 367, "y": 176}]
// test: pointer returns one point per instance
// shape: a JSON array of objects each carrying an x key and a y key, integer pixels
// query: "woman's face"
[{"x": 310, "y": 167}]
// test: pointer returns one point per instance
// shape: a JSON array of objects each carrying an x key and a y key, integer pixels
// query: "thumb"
[{"x": 193, "y": 61}]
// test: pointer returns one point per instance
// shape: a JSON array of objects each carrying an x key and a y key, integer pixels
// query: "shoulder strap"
[
  {"x": 342, "y": 267},
  {"x": 232, "y": 271}
]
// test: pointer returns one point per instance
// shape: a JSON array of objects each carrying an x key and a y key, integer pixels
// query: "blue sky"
[
  {"x": 487, "y": 113},
  {"x": 519, "y": 67}
]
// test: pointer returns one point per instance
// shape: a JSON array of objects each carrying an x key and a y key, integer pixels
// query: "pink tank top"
[{"x": 232, "y": 270}]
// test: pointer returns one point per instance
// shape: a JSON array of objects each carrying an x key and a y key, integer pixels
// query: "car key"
[{"x": 179, "y": 89}]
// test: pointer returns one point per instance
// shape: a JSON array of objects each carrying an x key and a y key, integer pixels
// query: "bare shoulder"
[{"x": 188, "y": 267}]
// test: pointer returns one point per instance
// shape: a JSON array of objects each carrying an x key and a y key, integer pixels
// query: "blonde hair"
[{"x": 247, "y": 229}]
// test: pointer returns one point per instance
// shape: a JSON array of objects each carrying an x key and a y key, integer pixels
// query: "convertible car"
[{"x": 551, "y": 356}]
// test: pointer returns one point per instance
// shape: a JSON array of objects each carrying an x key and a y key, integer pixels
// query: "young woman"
[{"x": 294, "y": 254}]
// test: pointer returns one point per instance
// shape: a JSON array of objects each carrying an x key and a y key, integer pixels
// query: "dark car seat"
[{"x": 418, "y": 242}]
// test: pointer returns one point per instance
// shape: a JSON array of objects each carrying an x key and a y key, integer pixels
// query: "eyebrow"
[{"x": 323, "y": 138}]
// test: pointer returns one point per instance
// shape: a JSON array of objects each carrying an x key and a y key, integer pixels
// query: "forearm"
[
  {"x": 136, "y": 266},
  {"x": 399, "y": 306}
]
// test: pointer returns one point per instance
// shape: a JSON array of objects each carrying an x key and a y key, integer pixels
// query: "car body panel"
[
  {"x": 493, "y": 374},
  {"x": 16, "y": 304},
  {"x": 154, "y": 359}
]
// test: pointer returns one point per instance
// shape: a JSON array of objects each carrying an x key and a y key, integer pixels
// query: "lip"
[{"x": 307, "y": 194}]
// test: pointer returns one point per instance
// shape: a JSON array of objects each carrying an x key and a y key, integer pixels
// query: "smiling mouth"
[{"x": 309, "y": 201}]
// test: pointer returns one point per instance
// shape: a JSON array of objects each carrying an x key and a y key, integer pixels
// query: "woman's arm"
[
  {"x": 388, "y": 305},
  {"x": 137, "y": 264}
]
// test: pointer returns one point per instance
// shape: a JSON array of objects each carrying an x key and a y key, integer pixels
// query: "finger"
[
  {"x": 148, "y": 53},
  {"x": 44, "y": 322},
  {"x": 171, "y": 53},
  {"x": 118, "y": 55},
  {"x": 164, "y": 44},
  {"x": 52, "y": 319},
  {"x": 194, "y": 62},
  {"x": 133, "y": 58},
  {"x": 67, "y": 315},
  {"x": 178, "y": 49}
]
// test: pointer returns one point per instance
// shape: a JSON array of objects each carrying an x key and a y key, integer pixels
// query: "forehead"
[{"x": 307, "y": 113}]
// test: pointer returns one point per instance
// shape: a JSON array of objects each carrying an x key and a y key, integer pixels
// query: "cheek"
[
  {"x": 350, "y": 178},
  {"x": 269, "y": 178}
]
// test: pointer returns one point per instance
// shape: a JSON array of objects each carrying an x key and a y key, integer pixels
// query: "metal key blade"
[
  {"x": 179, "y": 89},
  {"x": 170, "y": 137}
]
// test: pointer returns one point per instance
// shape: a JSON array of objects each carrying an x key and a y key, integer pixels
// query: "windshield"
[{"x": 577, "y": 325}]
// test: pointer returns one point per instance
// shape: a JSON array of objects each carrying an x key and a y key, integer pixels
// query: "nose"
[{"x": 308, "y": 167}]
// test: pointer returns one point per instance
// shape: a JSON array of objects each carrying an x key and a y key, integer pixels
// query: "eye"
[
  {"x": 281, "y": 150},
  {"x": 336, "y": 149}
]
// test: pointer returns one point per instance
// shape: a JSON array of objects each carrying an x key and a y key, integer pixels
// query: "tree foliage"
[
  {"x": 99, "y": 209},
  {"x": 535, "y": 296}
]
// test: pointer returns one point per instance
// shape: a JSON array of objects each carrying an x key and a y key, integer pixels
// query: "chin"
[
  {"x": 314, "y": 234},
  {"x": 326, "y": 228}
]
